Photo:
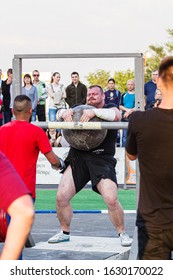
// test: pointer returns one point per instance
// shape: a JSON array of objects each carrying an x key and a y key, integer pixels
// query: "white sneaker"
[
  {"x": 59, "y": 237},
  {"x": 125, "y": 239}
]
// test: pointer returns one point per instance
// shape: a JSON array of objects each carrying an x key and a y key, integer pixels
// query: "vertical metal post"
[
  {"x": 17, "y": 76},
  {"x": 139, "y": 83},
  {"x": 139, "y": 105}
]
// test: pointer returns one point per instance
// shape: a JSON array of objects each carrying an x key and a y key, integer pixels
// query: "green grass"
[{"x": 84, "y": 200}]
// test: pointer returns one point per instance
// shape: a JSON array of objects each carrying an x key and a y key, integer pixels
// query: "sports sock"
[{"x": 66, "y": 232}]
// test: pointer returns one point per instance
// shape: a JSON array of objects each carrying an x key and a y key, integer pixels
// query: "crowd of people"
[
  {"x": 21, "y": 141},
  {"x": 75, "y": 93}
]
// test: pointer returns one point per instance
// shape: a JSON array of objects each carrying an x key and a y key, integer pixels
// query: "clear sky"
[{"x": 77, "y": 26}]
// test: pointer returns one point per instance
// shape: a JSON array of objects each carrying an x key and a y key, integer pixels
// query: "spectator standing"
[
  {"x": 42, "y": 95},
  {"x": 150, "y": 138},
  {"x": 15, "y": 199},
  {"x": 127, "y": 106},
  {"x": 113, "y": 95},
  {"x": 7, "y": 98},
  {"x": 150, "y": 89},
  {"x": 31, "y": 91},
  {"x": 158, "y": 99},
  {"x": 54, "y": 137},
  {"x": 76, "y": 92},
  {"x": 22, "y": 141},
  {"x": 57, "y": 95}
]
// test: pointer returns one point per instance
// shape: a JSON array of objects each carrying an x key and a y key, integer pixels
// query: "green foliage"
[
  {"x": 152, "y": 63},
  {"x": 169, "y": 44},
  {"x": 99, "y": 77},
  {"x": 156, "y": 54},
  {"x": 121, "y": 78}
]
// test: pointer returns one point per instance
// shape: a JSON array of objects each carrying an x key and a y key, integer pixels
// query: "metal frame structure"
[
  {"x": 139, "y": 90},
  {"x": 138, "y": 66}
]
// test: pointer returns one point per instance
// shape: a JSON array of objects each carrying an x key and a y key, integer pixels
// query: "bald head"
[{"x": 130, "y": 85}]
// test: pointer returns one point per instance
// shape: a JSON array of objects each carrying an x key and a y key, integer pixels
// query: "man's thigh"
[
  {"x": 66, "y": 186},
  {"x": 102, "y": 173}
]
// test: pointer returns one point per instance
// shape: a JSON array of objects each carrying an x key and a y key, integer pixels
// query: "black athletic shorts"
[{"x": 89, "y": 166}]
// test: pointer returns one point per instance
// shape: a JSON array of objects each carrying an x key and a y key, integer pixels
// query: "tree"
[
  {"x": 152, "y": 62},
  {"x": 169, "y": 44},
  {"x": 99, "y": 77},
  {"x": 121, "y": 78},
  {"x": 156, "y": 53}
]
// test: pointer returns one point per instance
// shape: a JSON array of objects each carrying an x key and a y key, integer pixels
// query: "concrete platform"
[
  {"x": 93, "y": 237},
  {"x": 104, "y": 246}
]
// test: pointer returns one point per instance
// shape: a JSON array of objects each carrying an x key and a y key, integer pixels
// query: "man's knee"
[
  {"x": 61, "y": 199},
  {"x": 111, "y": 201},
  {"x": 64, "y": 195}
]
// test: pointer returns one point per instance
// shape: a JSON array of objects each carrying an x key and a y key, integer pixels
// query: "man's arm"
[
  {"x": 131, "y": 141},
  {"x": 145, "y": 95},
  {"x": 108, "y": 114},
  {"x": 34, "y": 105},
  {"x": 65, "y": 114},
  {"x": 55, "y": 161},
  {"x": 64, "y": 95},
  {"x": 67, "y": 99},
  {"x": 128, "y": 111},
  {"x": 121, "y": 107},
  {"x": 131, "y": 157},
  {"x": 84, "y": 94},
  {"x": 118, "y": 114},
  {"x": 21, "y": 212}
]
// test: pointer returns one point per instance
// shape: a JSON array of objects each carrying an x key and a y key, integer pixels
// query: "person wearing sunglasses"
[{"x": 42, "y": 95}]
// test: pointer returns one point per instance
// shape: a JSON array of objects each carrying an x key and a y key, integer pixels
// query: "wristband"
[
  {"x": 61, "y": 166},
  {"x": 62, "y": 163}
]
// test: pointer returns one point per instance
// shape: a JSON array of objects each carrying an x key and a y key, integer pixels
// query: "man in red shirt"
[
  {"x": 22, "y": 141},
  {"x": 16, "y": 200}
]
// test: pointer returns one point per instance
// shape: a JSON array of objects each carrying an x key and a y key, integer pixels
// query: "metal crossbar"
[
  {"x": 82, "y": 125},
  {"x": 78, "y": 55}
]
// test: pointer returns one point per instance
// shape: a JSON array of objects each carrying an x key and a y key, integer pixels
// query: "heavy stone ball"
[{"x": 86, "y": 139}]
